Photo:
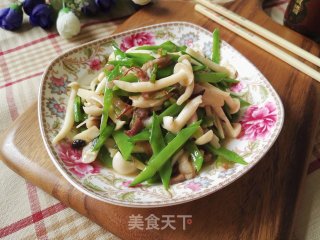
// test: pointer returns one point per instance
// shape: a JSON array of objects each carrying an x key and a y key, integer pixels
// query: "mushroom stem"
[
  {"x": 69, "y": 117},
  {"x": 175, "y": 125},
  {"x": 213, "y": 66}
]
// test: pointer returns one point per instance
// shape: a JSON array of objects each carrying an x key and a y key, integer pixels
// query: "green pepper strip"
[
  {"x": 78, "y": 114},
  {"x": 104, "y": 157},
  {"x": 141, "y": 136},
  {"x": 107, "y": 102},
  {"x": 225, "y": 153},
  {"x": 124, "y": 144},
  {"x": 216, "y": 46},
  {"x": 156, "y": 162},
  {"x": 196, "y": 155},
  {"x": 157, "y": 144}
]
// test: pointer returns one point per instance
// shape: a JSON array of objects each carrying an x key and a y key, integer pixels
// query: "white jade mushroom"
[
  {"x": 205, "y": 138},
  {"x": 175, "y": 125},
  {"x": 181, "y": 75},
  {"x": 88, "y": 135},
  {"x": 213, "y": 66},
  {"x": 88, "y": 156},
  {"x": 69, "y": 118},
  {"x": 122, "y": 166}
]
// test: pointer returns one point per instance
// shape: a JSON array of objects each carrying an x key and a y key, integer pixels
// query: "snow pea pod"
[
  {"x": 140, "y": 58},
  {"x": 196, "y": 155},
  {"x": 211, "y": 77},
  {"x": 168, "y": 46},
  {"x": 173, "y": 110},
  {"x": 105, "y": 130},
  {"x": 216, "y": 46},
  {"x": 124, "y": 144},
  {"x": 141, "y": 136},
  {"x": 156, "y": 162},
  {"x": 77, "y": 110},
  {"x": 225, "y": 153},
  {"x": 154, "y": 73},
  {"x": 104, "y": 135},
  {"x": 157, "y": 144},
  {"x": 104, "y": 157}
]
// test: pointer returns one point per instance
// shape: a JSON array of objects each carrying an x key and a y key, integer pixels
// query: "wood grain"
[{"x": 259, "y": 205}]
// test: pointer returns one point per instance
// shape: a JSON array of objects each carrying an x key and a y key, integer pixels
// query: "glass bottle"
[{"x": 303, "y": 16}]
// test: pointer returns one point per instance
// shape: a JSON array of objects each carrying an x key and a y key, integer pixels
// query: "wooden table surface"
[{"x": 259, "y": 205}]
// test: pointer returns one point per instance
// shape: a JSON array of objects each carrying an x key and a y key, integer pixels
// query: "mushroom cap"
[
  {"x": 185, "y": 66},
  {"x": 122, "y": 166}
]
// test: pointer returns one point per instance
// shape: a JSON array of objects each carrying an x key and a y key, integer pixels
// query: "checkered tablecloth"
[{"x": 26, "y": 212}]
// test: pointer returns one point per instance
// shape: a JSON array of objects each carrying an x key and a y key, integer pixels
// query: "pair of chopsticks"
[{"x": 212, "y": 11}]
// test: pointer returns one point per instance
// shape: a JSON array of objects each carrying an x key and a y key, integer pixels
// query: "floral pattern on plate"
[{"x": 261, "y": 121}]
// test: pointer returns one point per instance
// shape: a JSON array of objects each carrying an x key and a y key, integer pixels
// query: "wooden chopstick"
[
  {"x": 258, "y": 41},
  {"x": 261, "y": 31}
]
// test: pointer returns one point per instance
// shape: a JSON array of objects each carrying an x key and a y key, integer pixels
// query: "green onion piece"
[
  {"x": 104, "y": 157},
  {"x": 105, "y": 130},
  {"x": 196, "y": 155},
  {"x": 124, "y": 144},
  {"x": 156, "y": 162},
  {"x": 225, "y": 153},
  {"x": 211, "y": 77},
  {"x": 157, "y": 144},
  {"x": 154, "y": 73},
  {"x": 141, "y": 136},
  {"x": 77, "y": 110},
  {"x": 216, "y": 46}
]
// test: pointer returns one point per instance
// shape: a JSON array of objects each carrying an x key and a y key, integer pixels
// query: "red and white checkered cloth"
[{"x": 26, "y": 212}]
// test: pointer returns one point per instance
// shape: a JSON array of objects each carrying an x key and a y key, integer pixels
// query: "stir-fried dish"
[{"x": 157, "y": 112}]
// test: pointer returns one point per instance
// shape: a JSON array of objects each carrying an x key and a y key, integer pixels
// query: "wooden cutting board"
[{"x": 259, "y": 205}]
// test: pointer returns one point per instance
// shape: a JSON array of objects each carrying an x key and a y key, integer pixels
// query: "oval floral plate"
[{"x": 261, "y": 121}]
